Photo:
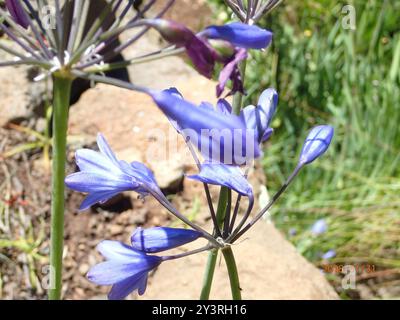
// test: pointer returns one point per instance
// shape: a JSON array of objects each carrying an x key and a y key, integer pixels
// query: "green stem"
[
  {"x": 233, "y": 273},
  {"x": 213, "y": 254},
  {"x": 209, "y": 274},
  {"x": 61, "y": 98}
]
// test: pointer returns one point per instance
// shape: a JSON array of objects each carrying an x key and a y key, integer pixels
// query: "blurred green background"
[{"x": 326, "y": 73}]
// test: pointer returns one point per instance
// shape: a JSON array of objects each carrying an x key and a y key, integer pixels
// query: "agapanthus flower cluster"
[{"x": 102, "y": 176}]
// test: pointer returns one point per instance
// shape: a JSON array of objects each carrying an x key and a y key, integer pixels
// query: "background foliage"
[{"x": 325, "y": 73}]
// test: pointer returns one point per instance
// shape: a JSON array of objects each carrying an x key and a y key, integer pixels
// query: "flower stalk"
[
  {"x": 62, "y": 92},
  {"x": 233, "y": 273}
]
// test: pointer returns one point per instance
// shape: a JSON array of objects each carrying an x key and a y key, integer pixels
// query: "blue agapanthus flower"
[
  {"x": 126, "y": 269},
  {"x": 103, "y": 176},
  {"x": 219, "y": 135}
]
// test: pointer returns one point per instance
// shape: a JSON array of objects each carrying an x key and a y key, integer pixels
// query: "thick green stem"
[
  {"x": 209, "y": 274},
  {"x": 61, "y": 98},
  {"x": 233, "y": 273}
]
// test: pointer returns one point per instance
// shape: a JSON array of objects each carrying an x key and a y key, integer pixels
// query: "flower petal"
[
  {"x": 231, "y": 71},
  {"x": 121, "y": 290},
  {"x": 159, "y": 239},
  {"x": 93, "y": 182},
  {"x": 111, "y": 272},
  {"x": 105, "y": 149},
  {"x": 96, "y": 162},
  {"x": 224, "y": 175},
  {"x": 268, "y": 102},
  {"x": 118, "y": 251},
  {"x": 97, "y": 197}
]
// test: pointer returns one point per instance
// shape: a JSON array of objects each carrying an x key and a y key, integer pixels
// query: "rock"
[
  {"x": 20, "y": 97},
  {"x": 269, "y": 268}
]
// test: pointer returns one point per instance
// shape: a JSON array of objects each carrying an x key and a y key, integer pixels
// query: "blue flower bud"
[
  {"x": 159, "y": 239},
  {"x": 317, "y": 142},
  {"x": 240, "y": 35}
]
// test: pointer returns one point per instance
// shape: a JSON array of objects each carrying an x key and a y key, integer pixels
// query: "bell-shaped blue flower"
[
  {"x": 18, "y": 13},
  {"x": 240, "y": 35},
  {"x": 159, "y": 239},
  {"x": 224, "y": 175},
  {"x": 103, "y": 176},
  {"x": 316, "y": 143},
  {"x": 126, "y": 269},
  {"x": 220, "y": 137}
]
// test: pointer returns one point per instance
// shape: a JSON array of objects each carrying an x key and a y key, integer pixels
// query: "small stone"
[{"x": 83, "y": 269}]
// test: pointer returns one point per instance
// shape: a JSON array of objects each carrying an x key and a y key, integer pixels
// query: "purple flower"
[
  {"x": 240, "y": 35},
  {"x": 159, "y": 239},
  {"x": 231, "y": 72},
  {"x": 316, "y": 143},
  {"x": 199, "y": 51},
  {"x": 224, "y": 175},
  {"x": 329, "y": 254},
  {"x": 126, "y": 269},
  {"x": 237, "y": 37},
  {"x": 319, "y": 227},
  {"x": 220, "y": 137},
  {"x": 18, "y": 13},
  {"x": 103, "y": 176}
]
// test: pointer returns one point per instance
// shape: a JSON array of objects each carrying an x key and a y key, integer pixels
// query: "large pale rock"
[{"x": 269, "y": 268}]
